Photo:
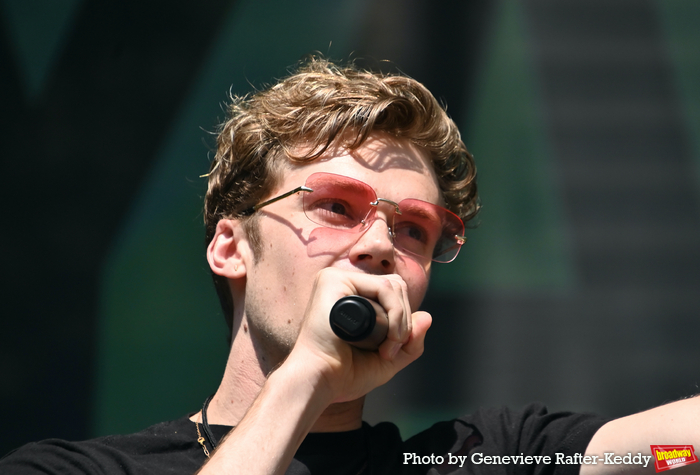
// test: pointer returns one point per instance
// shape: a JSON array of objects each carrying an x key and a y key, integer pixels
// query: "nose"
[{"x": 374, "y": 250}]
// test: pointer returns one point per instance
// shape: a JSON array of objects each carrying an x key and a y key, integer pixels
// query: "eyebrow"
[{"x": 419, "y": 211}]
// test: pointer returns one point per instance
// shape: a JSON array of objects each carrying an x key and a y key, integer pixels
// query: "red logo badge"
[{"x": 667, "y": 457}]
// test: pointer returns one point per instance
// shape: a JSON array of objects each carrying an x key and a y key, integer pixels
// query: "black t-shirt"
[{"x": 464, "y": 445}]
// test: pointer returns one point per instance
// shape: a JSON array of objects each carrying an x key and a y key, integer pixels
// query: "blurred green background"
[{"x": 584, "y": 120}]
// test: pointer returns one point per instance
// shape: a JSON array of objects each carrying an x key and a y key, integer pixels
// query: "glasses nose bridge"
[
  {"x": 389, "y": 216},
  {"x": 375, "y": 203}
]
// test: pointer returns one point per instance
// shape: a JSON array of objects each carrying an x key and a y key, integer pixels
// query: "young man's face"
[{"x": 294, "y": 248}]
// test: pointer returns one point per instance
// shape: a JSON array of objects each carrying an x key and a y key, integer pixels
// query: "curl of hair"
[{"x": 320, "y": 106}]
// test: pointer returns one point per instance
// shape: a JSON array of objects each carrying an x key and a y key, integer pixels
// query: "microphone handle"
[{"x": 354, "y": 319}]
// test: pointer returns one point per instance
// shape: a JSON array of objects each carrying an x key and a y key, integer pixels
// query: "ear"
[{"x": 228, "y": 251}]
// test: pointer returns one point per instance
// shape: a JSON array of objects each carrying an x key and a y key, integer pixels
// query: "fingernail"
[{"x": 395, "y": 350}]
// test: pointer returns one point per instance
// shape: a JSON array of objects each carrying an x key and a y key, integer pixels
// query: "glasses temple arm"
[{"x": 253, "y": 209}]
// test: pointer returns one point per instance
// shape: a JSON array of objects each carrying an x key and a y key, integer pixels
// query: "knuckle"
[{"x": 387, "y": 283}]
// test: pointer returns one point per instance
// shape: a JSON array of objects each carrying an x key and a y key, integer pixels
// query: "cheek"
[
  {"x": 329, "y": 242},
  {"x": 280, "y": 261},
  {"x": 417, "y": 277}
]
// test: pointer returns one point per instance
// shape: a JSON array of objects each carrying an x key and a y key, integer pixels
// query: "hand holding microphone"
[{"x": 354, "y": 319}]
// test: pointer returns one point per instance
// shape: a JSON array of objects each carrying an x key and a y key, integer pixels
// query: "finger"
[
  {"x": 404, "y": 323},
  {"x": 392, "y": 299},
  {"x": 407, "y": 309},
  {"x": 391, "y": 293},
  {"x": 401, "y": 287},
  {"x": 388, "y": 293},
  {"x": 416, "y": 344}
]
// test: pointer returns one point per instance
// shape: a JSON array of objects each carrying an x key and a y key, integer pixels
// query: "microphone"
[{"x": 354, "y": 319}]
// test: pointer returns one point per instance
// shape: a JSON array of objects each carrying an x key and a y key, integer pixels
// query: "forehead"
[{"x": 394, "y": 167}]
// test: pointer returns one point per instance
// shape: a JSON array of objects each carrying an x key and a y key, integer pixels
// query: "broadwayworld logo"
[{"x": 667, "y": 457}]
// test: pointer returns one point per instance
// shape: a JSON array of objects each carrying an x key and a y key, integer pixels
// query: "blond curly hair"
[{"x": 323, "y": 105}]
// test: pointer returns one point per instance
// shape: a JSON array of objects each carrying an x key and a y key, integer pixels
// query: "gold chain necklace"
[
  {"x": 200, "y": 439},
  {"x": 207, "y": 429}
]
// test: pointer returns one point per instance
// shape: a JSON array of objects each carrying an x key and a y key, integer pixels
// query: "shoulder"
[
  {"x": 167, "y": 447},
  {"x": 501, "y": 431},
  {"x": 532, "y": 428},
  {"x": 534, "y": 425}
]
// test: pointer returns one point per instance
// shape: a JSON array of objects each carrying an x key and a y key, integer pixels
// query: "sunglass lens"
[
  {"x": 427, "y": 230},
  {"x": 337, "y": 201},
  {"x": 422, "y": 228}
]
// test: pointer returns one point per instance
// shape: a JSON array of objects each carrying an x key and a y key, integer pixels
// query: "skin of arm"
[
  {"x": 275, "y": 425},
  {"x": 320, "y": 370},
  {"x": 677, "y": 423}
]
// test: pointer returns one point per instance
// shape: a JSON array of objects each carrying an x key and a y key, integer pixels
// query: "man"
[{"x": 338, "y": 182}]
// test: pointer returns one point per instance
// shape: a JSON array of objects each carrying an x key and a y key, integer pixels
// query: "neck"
[{"x": 244, "y": 377}]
